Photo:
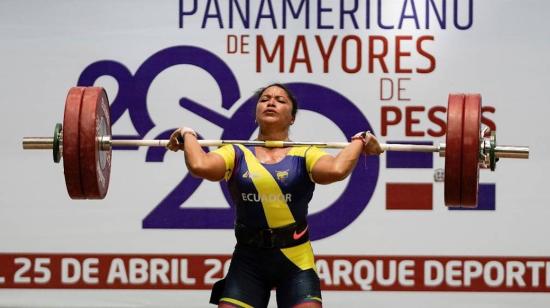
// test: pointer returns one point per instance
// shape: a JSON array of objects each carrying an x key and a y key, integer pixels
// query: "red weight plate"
[
  {"x": 453, "y": 150},
  {"x": 470, "y": 149},
  {"x": 71, "y": 139},
  {"x": 95, "y": 162}
]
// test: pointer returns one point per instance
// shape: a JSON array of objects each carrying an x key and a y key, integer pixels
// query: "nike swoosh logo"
[{"x": 297, "y": 236}]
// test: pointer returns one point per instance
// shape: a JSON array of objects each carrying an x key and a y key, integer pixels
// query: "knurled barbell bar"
[{"x": 84, "y": 141}]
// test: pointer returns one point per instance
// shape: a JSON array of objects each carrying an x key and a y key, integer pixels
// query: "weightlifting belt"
[{"x": 283, "y": 237}]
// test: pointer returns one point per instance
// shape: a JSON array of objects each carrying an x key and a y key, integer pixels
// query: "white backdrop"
[{"x": 46, "y": 46}]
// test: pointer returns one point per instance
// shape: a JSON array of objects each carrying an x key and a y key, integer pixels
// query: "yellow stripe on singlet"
[
  {"x": 316, "y": 298},
  {"x": 301, "y": 256},
  {"x": 277, "y": 212},
  {"x": 235, "y": 302}
]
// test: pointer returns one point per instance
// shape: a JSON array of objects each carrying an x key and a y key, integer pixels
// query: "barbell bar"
[
  {"x": 47, "y": 143},
  {"x": 85, "y": 143}
]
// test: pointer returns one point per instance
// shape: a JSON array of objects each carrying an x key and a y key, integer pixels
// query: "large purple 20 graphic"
[{"x": 171, "y": 212}]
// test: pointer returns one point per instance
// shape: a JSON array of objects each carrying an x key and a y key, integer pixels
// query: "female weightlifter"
[{"x": 271, "y": 189}]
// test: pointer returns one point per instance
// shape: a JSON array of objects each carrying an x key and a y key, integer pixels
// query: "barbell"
[{"x": 85, "y": 144}]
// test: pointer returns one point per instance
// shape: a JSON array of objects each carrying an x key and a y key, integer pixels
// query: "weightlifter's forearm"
[
  {"x": 346, "y": 160},
  {"x": 194, "y": 154}
]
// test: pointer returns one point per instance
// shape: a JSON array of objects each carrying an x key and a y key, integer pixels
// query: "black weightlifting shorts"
[{"x": 254, "y": 272}]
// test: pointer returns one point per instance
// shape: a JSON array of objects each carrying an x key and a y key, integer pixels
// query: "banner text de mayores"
[{"x": 354, "y": 50}]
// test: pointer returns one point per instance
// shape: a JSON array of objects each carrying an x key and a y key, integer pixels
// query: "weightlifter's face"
[{"x": 274, "y": 107}]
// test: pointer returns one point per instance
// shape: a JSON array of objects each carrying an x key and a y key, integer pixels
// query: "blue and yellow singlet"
[
  {"x": 268, "y": 196},
  {"x": 271, "y": 195}
]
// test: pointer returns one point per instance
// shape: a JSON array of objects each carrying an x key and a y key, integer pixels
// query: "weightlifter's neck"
[{"x": 275, "y": 135}]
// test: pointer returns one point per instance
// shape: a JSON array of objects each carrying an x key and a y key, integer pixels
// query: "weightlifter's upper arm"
[
  {"x": 222, "y": 162},
  {"x": 318, "y": 164},
  {"x": 323, "y": 172}
]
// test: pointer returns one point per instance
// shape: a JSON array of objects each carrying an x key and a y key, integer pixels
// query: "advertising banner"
[{"x": 382, "y": 237}]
